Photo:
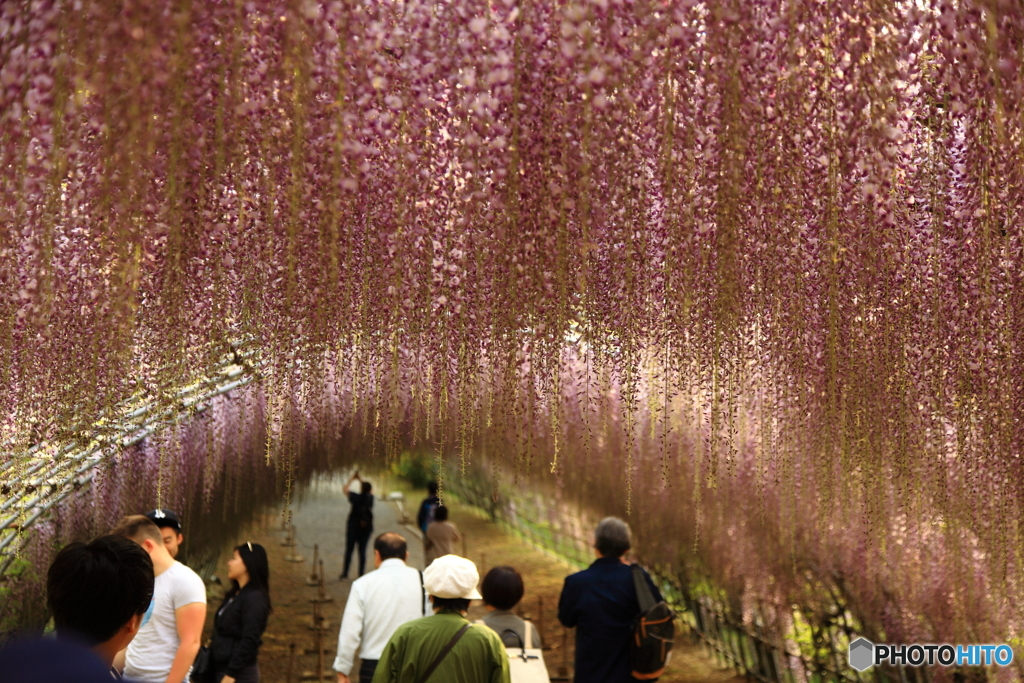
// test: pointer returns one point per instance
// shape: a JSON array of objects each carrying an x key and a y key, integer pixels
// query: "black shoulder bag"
[
  {"x": 423, "y": 594},
  {"x": 201, "y": 666}
]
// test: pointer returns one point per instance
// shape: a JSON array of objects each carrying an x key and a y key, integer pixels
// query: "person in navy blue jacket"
[{"x": 600, "y": 603}]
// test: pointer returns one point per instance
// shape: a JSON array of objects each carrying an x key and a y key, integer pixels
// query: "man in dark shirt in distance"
[
  {"x": 359, "y": 526},
  {"x": 426, "y": 512}
]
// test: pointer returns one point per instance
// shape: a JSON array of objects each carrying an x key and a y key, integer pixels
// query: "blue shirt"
[{"x": 601, "y": 603}]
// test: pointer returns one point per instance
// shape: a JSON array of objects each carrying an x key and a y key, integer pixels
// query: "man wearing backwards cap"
[
  {"x": 445, "y": 644},
  {"x": 170, "y": 528}
]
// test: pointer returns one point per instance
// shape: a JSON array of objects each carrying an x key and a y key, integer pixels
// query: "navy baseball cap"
[{"x": 163, "y": 517}]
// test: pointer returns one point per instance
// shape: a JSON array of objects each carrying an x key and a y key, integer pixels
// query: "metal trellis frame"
[{"x": 47, "y": 473}]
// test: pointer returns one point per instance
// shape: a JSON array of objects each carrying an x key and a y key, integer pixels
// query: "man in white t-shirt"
[{"x": 172, "y": 628}]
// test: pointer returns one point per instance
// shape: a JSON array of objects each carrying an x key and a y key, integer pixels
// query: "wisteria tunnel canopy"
[{"x": 747, "y": 270}]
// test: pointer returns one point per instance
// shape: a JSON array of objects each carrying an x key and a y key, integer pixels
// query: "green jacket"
[{"x": 478, "y": 657}]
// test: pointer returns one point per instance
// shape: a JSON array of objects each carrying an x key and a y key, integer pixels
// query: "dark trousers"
[
  {"x": 354, "y": 537},
  {"x": 366, "y": 669},
  {"x": 250, "y": 674}
]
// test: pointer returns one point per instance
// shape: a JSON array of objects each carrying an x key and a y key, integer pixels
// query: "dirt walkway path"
[{"x": 319, "y": 514}]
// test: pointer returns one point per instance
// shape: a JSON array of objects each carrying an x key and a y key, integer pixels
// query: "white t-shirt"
[{"x": 151, "y": 653}]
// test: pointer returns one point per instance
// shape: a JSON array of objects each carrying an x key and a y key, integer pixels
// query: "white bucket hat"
[{"x": 451, "y": 576}]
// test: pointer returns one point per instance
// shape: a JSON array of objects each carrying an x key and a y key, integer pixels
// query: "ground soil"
[{"x": 319, "y": 514}]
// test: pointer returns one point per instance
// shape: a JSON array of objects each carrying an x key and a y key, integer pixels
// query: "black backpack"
[{"x": 653, "y": 632}]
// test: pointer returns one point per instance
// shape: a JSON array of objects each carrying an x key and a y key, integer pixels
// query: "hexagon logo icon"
[{"x": 862, "y": 654}]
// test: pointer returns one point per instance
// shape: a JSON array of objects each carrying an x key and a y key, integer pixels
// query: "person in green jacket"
[{"x": 445, "y": 647}]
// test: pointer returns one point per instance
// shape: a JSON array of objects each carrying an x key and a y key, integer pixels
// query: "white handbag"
[{"x": 526, "y": 664}]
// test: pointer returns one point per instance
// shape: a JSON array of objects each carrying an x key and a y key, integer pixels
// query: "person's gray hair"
[{"x": 612, "y": 537}]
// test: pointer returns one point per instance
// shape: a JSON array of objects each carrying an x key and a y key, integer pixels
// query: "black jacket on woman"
[{"x": 237, "y": 631}]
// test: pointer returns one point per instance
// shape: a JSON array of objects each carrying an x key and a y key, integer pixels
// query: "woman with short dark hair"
[
  {"x": 502, "y": 590},
  {"x": 239, "y": 623}
]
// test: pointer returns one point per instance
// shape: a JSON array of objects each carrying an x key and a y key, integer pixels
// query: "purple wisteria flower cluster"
[{"x": 748, "y": 270}]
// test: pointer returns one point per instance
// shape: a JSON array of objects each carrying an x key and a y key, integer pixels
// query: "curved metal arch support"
[{"x": 55, "y": 471}]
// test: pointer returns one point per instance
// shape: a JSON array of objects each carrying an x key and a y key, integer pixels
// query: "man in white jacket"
[{"x": 378, "y": 603}]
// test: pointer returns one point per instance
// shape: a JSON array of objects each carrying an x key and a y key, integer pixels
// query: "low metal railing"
[{"x": 748, "y": 650}]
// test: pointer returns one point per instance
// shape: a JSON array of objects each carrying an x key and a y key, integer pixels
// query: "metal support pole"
[
  {"x": 313, "y": 579},
  {"x": 292, "y": 543},
  {"x": 540, "y": 620}
]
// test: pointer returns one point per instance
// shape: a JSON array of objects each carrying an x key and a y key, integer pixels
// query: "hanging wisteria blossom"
[{"x": 748, "y": 270}]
